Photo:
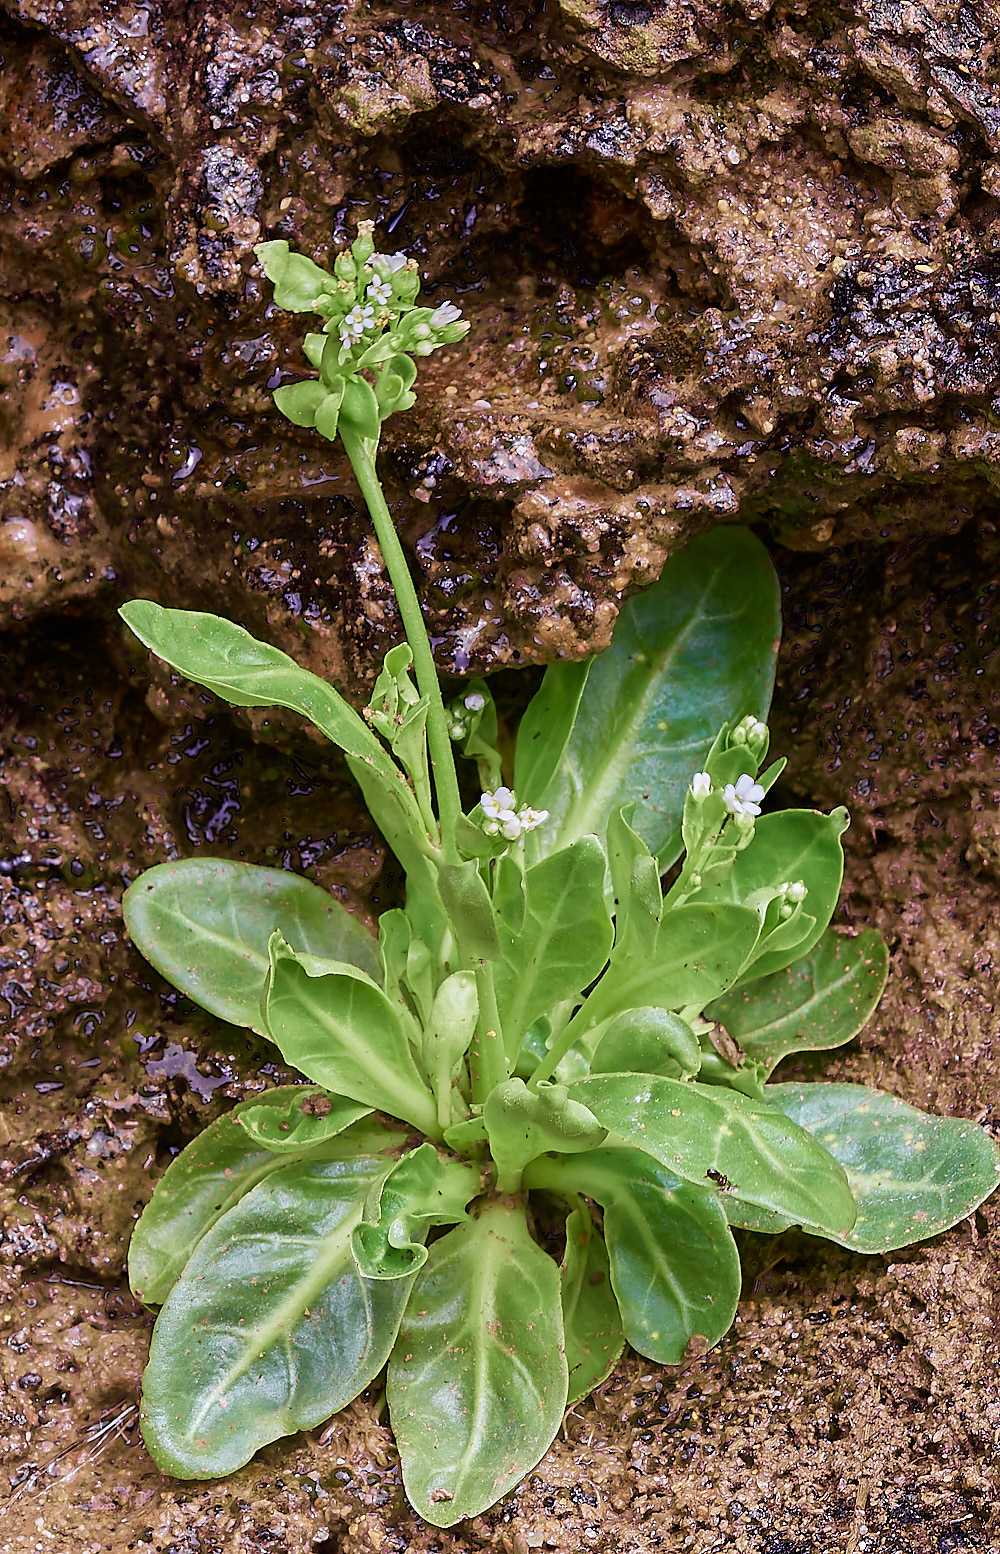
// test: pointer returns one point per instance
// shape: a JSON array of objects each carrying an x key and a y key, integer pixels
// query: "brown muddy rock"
[{"x": 721, "y": 262}]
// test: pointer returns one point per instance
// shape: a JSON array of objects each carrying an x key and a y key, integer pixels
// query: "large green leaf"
[
  {"x": 204, "y": 923},
  {"x": 211, "y": 1175},
  {"x": 706, "y": 1133},
  {"x": 271, "y": 1328},
  {"x": 694, "y": 650},
  {"x": 674, "y": 1264},
  {"x": 818, "y": 1002},
  {"x": 912, "y": 1174},
  {"x": 338, "y": 1028},
  {"x": 477, "y": 1381},
  {"x": 790, "y": 845},
  {"x": 564, "y": 941},
  {"x": 591, "y": 1320},
  {"x": 545, "y": 729}
]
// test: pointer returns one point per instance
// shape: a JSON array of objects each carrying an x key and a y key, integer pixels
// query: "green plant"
[{"x": 540, "y": 1102}]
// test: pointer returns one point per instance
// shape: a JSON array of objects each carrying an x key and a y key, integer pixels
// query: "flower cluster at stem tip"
[
  {"x": 461, "y": 716},
  {"x": 503, "y": 818}
]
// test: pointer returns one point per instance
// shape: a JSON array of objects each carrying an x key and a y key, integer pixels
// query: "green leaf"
[
  {"x": 308, "y": 1118},
  {"x": 694, "y": 650},
  {"x": 271, "y": 1328},
  {"x": 794, "y": 844},
  {"x": 228, "y": 661},
  {"x": 477, "y": 1381},
  {"x": 297, "y": 281},
  {"x": 521, "y": 1123},
  {"x": 698, "y": 954},
  {"x": 340, "y": 1030},
  {"x": 591, "y": 1320},
  {"x": 674, "y": 1264},
  {"x": 209, "y": 1177},
  {"x": 818, "y": 1002},
  {"x": 204, "y": 923},
  {"x": 545, "y": 728},
  {"x": 912, "y": 1174},
  {"x": 648, "y": 1041},
  {"x": 635, "y": 882},
  {"x": 424, "y": 1189},
  {"x": 328, "y": 414},
  {"x": 468, "y": 904},
  {"x": 360, "y": 408},
  {"x": 564, "y": 942},
  {"x": 705, "y": 1134},
  {"x": 300, "y": 402}
]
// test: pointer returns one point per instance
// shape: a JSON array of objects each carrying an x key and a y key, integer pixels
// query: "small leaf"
[
  {"x": 308, "y": 1118},
  {"x": 704, "y": 1134},
  {"x": 818, "y": 1002},
  {"x": 674, "y": 1264},
  {"x": 522, "y": 1123},
  {"x": 328, "y": 415},
  {"x": 360, "y": 408},
  {"x": 591, "y": 1320},
  {"x": 793, "y": 844},
  {"x": 468, "y": 903},
  {"x": 209, "y": 1177},
  {"x": 297, "y": 281},
  {"x": 340, "y": 1030},
  {"x": 299, "y": 402},
  {"x": 648, "y": 1041},
  {"x": 564, "y": 941},
  {"x": 422, "y": 1190},
  {"x": 694, "y": 650},
  {"x": 204, "y": 923},
  {"x": 635, "y": 881},
  {"x": 912, "y": 1174},
  {"x": 545, "y": 728},
  {"x": 271, "y": 1328},
  {"x": 477, "y": 1380}
]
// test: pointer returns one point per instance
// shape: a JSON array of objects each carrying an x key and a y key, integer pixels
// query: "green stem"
[{"x": 361, "y": 452}]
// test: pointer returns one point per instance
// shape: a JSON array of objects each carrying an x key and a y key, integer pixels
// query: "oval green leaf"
[
  {"x": 210, "y": 1176},
  {"x": 912, "y": 1174},
  {"x": 694, "y": 650},
  {"x": 591, "y": 1320},
  {"x": 271, "y": 1328},
  {"x": 477, "y": 1381},
  {"x": 307, "y": 1119},
  {"x": 204, "y": 923},
  {"x": 708, "y": 1134},
  {"x": 818, "y": 1002}
]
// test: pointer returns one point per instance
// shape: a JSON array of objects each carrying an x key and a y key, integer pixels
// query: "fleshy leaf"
[
  {"x": 360, "y": 408},
  {"x": 674, "y": 1264},
  {"x": 271, "y": 1328},
  {"x": 818, "y": 1002},
  {"x": 564, "y": 942},
  {"x": 477, "y": 1381},
  {"x": 297, "y": 281},
  {"x": 635, "y": 882},
  {"x": 694, "y": 650},
  {"x": 308, "y": 1118},
  {"x": 648, "y": 1041},
  {"x": 912, "y": 1174},
  {"x": 340, "y": 1030},
  {"x": 299, "y": 402},
  {"x": 210, "y": 1176},
  {"x": 591, "y": 1320},
  {"x": 544, "y": 731},
  {"x": 424, "y": 1189},
  {"x": 204, "y": 923},
  {"x": 521, "y": 1123},
  {"x": 709, "y": 1134}
]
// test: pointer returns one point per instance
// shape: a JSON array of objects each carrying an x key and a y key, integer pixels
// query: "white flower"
[
  {"x": 531, "y": 819},
  {"x": 757, "y": 730},
  {"x": 380, "y": 291},
  {"x": 796, "y": 891},
  {"x": 387, "y": 264},
  {"x": 447, "y": 313},
  {"x": 743, "y": 797},
  {"x": 701, "y": 785},
  {"x": 357, "y": 322},
  {"x": 498, "y": 805},
  {"x": 475, "y": 701}
]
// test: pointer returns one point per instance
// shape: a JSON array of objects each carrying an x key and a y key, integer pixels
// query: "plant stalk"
[{"x": 361, "y": 453}]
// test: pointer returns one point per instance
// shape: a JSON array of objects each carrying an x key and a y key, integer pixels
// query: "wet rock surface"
[{"x": 723, "y": 263}]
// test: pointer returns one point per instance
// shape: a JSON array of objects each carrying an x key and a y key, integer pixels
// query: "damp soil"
[{"x": 724, "y": 263}]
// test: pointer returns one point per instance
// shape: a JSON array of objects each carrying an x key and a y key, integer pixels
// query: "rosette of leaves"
[{"x": 534, "y": 1109}]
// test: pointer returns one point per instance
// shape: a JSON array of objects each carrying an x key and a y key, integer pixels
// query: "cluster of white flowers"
[
  {"x": 474, "y": 702},
  {"x": 503, "y": 818},
  {"x": 357, "y": 322}
]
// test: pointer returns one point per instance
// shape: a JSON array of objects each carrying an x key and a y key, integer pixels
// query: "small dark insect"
[{"x": 720, "y": 1181}]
